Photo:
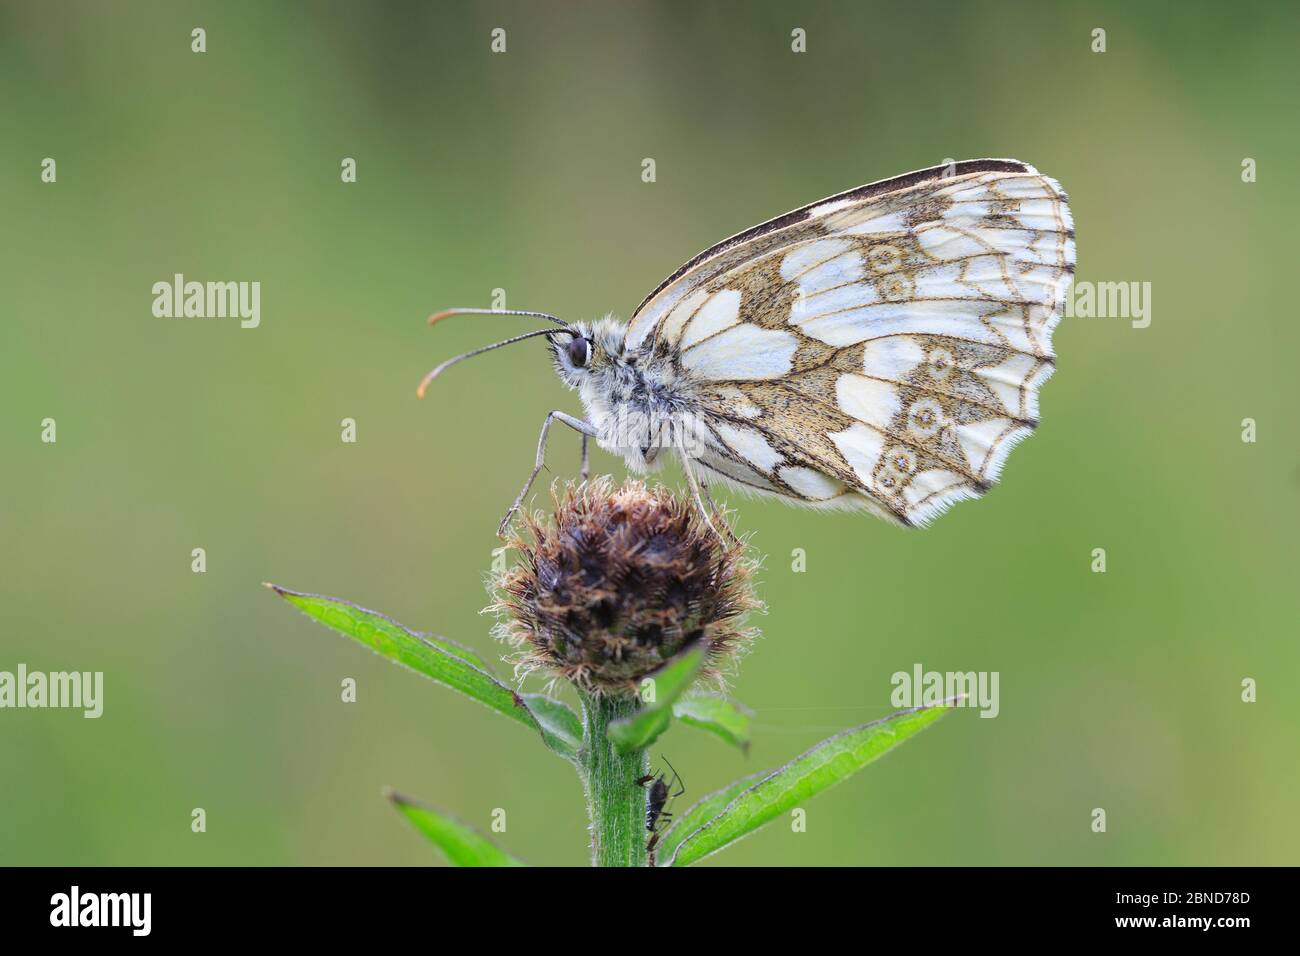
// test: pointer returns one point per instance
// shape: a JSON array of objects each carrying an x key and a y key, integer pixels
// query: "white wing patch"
[
  {"x": 750, "y": 445},
  {"x": 747, "y": 352},
  {"x": 861, "y": 448},
  {"x": 892, "y": 357},
  {"x": 868, "y": 400},
  {"x": 812, "y": 484},
  {"x": 805, "y": 258},
  {"x": 677, "y": 319},
  {"x": 721, "y": 312}
]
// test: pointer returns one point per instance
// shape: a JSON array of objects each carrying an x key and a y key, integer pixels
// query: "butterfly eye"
[{"x": 579, "y": 351}]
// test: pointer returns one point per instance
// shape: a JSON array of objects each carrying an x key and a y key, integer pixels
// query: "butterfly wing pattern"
[{"x": 881, "y": 349}]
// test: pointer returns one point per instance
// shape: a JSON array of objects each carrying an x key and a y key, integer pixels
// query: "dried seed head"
[{"x": 618, "y": 583}]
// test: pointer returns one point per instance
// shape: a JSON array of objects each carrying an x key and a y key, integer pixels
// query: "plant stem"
[{"x": 615, "y": 802}]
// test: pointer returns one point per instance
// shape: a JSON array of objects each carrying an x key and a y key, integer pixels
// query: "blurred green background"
[{"x": 522, "y": 171}]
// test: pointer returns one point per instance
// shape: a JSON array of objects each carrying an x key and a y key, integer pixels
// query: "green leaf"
[
  {"x": 557, "y": 719},
  {"x": 466, "y": 654},
  {"x": 460, "y": 843},
  {"x": 825, "y": 765},
  {"x": 644, "y": 727},
  {"x": 717, "y": 715},
  {"x": 443, "y": 661}
]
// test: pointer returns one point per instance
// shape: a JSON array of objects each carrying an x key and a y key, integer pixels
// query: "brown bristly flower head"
[{"x": 619, "y": 582}]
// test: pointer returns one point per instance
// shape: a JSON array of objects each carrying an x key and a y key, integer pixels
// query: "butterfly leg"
[
  {"x": 713, "y": 505},
  {"x": 704, "y": 489},
  {"x": 586, "y": 429},
  {"x": 585, "y": 471},
  {"x": 697, "y": 493}
]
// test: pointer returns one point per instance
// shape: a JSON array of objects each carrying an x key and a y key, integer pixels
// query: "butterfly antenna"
[
  {"x": 448, "y": 313},
  {"x": 424, "y": 382}
]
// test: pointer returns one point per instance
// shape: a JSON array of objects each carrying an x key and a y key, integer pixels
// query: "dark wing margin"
[{"x": 894, "y": 184}]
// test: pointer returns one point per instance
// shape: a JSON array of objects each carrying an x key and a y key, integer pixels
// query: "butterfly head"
[
  {"x": 583, "y": 352},
  {"x": 586, "y": 351}
]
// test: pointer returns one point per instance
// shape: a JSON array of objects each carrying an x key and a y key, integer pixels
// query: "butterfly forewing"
[{"x": 880, "y": 349}]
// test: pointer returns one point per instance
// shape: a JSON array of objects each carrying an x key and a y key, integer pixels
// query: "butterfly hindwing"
[{"x": 880, "y": 349}]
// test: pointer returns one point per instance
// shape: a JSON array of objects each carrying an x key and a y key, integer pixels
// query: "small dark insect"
[{"x": 657, "y": 802}]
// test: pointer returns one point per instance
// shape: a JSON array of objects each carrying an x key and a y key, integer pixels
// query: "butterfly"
[{"x": 880, "y": 350}]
